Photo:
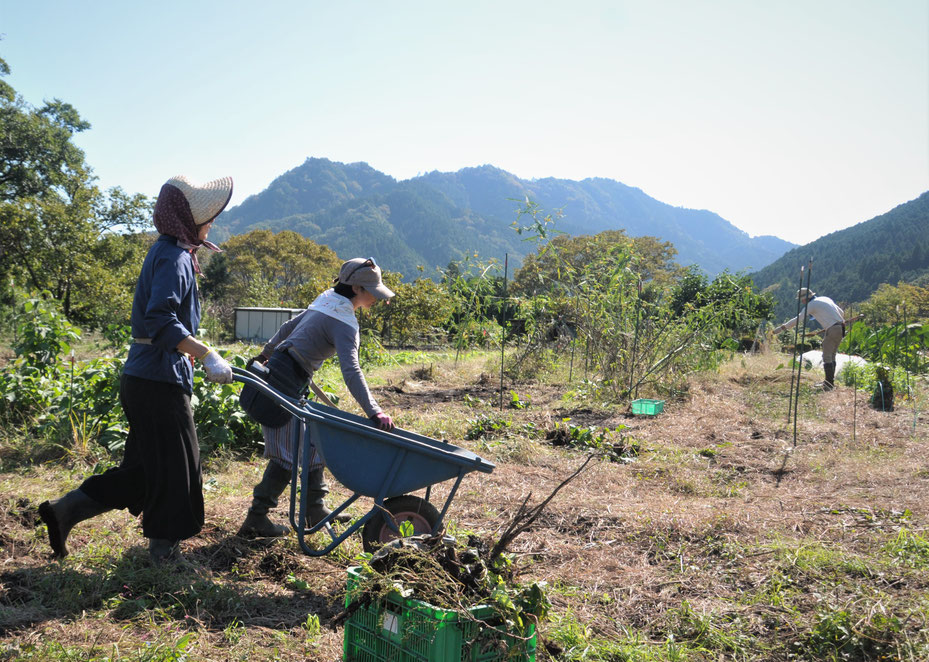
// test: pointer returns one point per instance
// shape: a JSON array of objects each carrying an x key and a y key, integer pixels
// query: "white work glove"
[{"x": 216, "y": 368}]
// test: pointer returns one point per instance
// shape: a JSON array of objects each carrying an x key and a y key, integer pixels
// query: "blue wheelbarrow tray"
[{"x": 367, "y": 461}]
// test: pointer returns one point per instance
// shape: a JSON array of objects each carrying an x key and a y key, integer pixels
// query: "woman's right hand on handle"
[
  {"x": 216, "y": 368},
  {"x": 383, "y": 421}
]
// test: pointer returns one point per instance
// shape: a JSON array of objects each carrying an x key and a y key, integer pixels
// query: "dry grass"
[{"x": 723, "y": 533}]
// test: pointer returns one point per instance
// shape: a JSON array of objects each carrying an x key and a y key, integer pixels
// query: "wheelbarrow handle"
[
  {"x": 290, "y": 404},
  {"x": 305, "y": 410}
]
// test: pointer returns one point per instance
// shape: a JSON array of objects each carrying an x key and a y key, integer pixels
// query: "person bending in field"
[
  {"x": 326, "y": 328},
  {"x": 825, "y": 311}
]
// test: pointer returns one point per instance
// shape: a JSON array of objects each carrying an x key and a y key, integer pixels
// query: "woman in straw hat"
[
  {"x": 326, "y": 328},
  {"x": 159, "y": 476}
]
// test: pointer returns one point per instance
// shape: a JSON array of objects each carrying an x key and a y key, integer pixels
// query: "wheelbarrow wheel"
[{"x": 407, "y": 508}]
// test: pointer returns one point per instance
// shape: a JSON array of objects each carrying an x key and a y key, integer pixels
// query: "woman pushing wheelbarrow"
[{"x": 326, "y": 328}]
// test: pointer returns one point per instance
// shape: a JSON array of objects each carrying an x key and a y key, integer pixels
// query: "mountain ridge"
[
  {"x": 437, "y": 217},
  {"x": 849, "y": 264}
]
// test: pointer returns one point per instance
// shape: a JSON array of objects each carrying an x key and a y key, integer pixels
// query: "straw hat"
[{"x": 206, "y": 200}]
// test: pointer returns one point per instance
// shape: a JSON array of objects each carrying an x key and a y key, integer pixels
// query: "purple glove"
[{"x": 383, "y": 421}]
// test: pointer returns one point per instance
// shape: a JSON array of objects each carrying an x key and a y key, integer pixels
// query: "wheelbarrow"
[{"x": 384, "y": 466}]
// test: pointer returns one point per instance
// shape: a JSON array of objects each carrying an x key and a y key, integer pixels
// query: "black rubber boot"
[
  {"x": 316, "y": 492},
  {"x": 162, "y": 550},
  {"x": 264, "y": 497},
  {"x": 829, "y": 384},
  {"x": 62, "y": 514}
]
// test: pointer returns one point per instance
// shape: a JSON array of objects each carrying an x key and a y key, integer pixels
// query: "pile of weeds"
[{"x": 437, "y": 571}]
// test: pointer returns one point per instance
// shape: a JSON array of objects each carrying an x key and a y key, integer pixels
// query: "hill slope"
[
  {"x": 438, "y": 217},
  {"x": 850, "y": 264}
]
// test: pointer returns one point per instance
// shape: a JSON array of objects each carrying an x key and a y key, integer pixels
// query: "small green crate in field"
[
  {"x": 397, "y": 629},
  {"x": 646, "y": 407}
]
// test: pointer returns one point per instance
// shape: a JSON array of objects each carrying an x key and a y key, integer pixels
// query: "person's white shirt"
[{"x": 823, "y": 309}]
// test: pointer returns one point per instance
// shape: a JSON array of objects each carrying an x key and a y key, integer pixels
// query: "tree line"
[{"x": 81, "y": 248}]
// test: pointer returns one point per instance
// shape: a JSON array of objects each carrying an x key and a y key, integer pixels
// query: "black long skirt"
[{"x": 159, "y": 476}]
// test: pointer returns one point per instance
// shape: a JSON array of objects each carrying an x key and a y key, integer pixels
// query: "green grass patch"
[
  {"x": 850, "y": 636},
  {"x": 909, "y": 548}
]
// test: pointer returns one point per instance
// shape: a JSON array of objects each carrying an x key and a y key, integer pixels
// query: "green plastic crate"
[
  {"x": 647, "y": 407},
  {"x": 405, "y": 630}
]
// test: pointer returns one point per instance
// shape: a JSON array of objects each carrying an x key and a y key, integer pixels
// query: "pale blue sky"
[{"x": 793, "y": 118}]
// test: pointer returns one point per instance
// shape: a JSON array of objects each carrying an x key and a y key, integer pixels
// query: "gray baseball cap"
[{"x": 364, "y": 272}]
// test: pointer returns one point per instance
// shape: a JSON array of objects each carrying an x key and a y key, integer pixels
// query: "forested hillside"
[
  {"x": 850, "y": 264},
  {"x": 438, "y": 217}
]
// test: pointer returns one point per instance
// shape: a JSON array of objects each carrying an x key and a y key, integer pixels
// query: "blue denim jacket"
[{"x": 165, "y": 309}]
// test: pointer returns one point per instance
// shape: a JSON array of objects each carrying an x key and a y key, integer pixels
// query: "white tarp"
[{"x": 815, "y": 358}]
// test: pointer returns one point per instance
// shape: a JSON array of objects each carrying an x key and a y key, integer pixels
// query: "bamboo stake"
[
  {"x": 573, "y": 344},
  {"x": 506, "y": 268},
  {"x": 855, "y": 405},
  {"x": 906, "y": 341},
  {"x": 790, "y": 399},
  {"x": 893, "y": 362},
  {"x": 906, "y": 350},
  {"x": 809, "y": 273},
  {"x": 635, "y": 340}
]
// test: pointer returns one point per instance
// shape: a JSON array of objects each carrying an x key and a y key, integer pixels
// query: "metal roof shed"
[{"x": 258, "y": 325}]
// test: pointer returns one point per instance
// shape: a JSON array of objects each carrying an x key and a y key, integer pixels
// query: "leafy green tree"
[
  {"x": 261, "y": 268},
  {"x": 631, "y": 336},
  {"x": 67, "y": 243},
  {"x": 886, "y": 305},
  {"x": 419, "y": 310},
  {"x": 57, "y": 229},
  {"x": 36, "y": 152},
  {"x": 558, "y": 264},
  {"x": 741, "y": 309}
]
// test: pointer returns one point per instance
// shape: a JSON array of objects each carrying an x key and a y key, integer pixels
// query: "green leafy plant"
[
  {"x": 487, "y": 426},
  {"x": 43, "y": 335},
  {"x": 606, "y": 294},
  {"x": 516, "y": 402},
  {"x": 295, "y": 583},
  {"x": 406, "y": 529},
  {"x": 865, "y": 377},
  {"x": 909, "y": 548},
  {"x": 842, "y": 635},
  {"x": 221, "y": 423},
  {"x": 611, "y": 442},
  {"x": 72, "y": 403},
  {"x": 311, "y": 625},
  {"x": 472, "y": 402},
  {"x": 371, "y": 352},
  {"x": 894, "y": 345}
]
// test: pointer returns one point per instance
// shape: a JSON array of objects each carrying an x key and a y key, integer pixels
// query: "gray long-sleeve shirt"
[{"x": 312, "y": 337}]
